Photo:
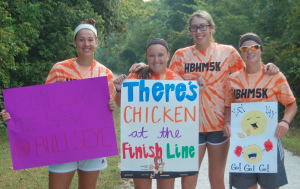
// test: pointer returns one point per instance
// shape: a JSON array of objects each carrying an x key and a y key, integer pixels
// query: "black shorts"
[{"x": 213, "y": 138}]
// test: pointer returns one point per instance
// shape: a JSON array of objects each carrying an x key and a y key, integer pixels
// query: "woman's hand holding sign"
[
  {"x": 5, "y": 116},
  {"x": 282, "y": 129},
  {"x": 111, "y": 104},
  {"x": 118, "y": 81},
  {"x": 201, "y": 83}
]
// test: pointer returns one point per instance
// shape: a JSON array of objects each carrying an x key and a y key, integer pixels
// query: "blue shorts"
[
  {"x": 213, "y": 138},
  {"x": 86, "y": 165}
]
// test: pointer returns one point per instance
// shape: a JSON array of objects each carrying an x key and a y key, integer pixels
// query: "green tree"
[
  {"x": 280, "y": 28},
  {"x": 35, "y": 34},
  {"x": 158, "y": 23}
]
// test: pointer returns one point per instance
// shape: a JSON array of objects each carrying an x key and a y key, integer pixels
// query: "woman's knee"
[
  {"x": 189, "y": 182},
  {"x": 142, "y": 183},
  {"x": 165, "y": 183}
]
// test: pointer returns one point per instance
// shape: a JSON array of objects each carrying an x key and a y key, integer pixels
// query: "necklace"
[
  {"x": 84, "y": 70},
  {"x": 85, "y": 74}
]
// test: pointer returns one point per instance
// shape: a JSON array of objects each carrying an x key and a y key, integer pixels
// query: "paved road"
[{"x": 292, "y": 165}]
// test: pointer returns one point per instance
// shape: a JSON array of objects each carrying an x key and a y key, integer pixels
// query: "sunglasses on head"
[{"x": 246, "y": 48}]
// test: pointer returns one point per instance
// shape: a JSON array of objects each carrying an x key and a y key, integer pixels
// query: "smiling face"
[
  {"x": 251, "y": 57},
  {"x": 86, "y": 43},
  {"x": 252, "y": 154},
  {"x": 157, "y": 57},
  {"x": 254, "y": 123},
  {"x": 201, "y": 38}
]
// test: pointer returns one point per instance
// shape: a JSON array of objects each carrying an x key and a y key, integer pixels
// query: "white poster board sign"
[
  {"x": 159, "y": 128},
  {"x": 253, "y": 145}
]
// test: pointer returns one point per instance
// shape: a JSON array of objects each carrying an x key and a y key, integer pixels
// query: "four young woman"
[{"x": 208, "y": 62}]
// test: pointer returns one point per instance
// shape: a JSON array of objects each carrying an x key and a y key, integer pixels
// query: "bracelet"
[
  {"x": 226, "y": 121},
  {"x": 118, "y": 90},
  {"x": 286, "y": 122}
]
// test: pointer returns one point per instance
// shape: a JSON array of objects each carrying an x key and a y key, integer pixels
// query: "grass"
[
  {"x": 291, "y": 141},
  {"x": 38, "y": 177}
]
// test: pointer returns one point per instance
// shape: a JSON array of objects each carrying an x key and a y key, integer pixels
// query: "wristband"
[
  {"x": 226, "y": 121},
  {"x": 286, "y": 122},
  {"x": 118, "y": 90}
]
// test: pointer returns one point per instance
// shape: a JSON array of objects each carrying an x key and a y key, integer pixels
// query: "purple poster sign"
[{"x": 60, "y": 123}]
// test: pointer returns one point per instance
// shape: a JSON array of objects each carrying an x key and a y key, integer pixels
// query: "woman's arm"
[
  {"x": 271, "y": 69},
  {"x": 227, "y": 129},
  {"x": 137, "y": 66},
  {"x": 118, "y": 85},
  {"x": 282, "y": 126}
]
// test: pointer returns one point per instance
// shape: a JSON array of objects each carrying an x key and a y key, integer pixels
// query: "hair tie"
[
  {"x": 85, "y": 26},
  {"x": 253, "y": 38},
  {"x": 157, "y": 41}
]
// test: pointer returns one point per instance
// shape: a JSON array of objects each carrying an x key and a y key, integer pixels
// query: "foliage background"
[
  {"x": 34, "y": 34},
  {"x": 275, "y": 21}
]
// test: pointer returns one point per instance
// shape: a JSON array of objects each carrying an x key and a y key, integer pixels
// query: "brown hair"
[
  {"x": 208, "y": 18},
  {"x": 89, "y": 21},
  {"x": 144, "y": 73}
]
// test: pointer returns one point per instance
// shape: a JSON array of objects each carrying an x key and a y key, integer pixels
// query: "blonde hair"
[{"x": 206, "y": 16}]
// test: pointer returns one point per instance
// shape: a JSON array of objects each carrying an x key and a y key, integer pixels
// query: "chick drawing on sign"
[{"x": 158, "y": 166}]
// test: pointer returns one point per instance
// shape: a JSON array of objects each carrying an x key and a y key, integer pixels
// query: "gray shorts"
[
  {"x": 265, "y": 180},
  {"x": 213, "y": 138}
]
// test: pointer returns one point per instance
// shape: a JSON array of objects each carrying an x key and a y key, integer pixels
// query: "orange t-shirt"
[
  {"x": 258, "y": 87},
  {"x": 69, "y": 70},
  {"x": 214, "y": 65}
]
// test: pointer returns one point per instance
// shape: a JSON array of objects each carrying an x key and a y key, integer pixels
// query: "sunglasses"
[{"x": 246, "y": 48}]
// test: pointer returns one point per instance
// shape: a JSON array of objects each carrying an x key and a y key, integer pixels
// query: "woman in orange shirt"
[
  {"x": 276, "y": 88},
  {"x": 157, "y": 53},
  {"x": 84, "y": 66}
]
